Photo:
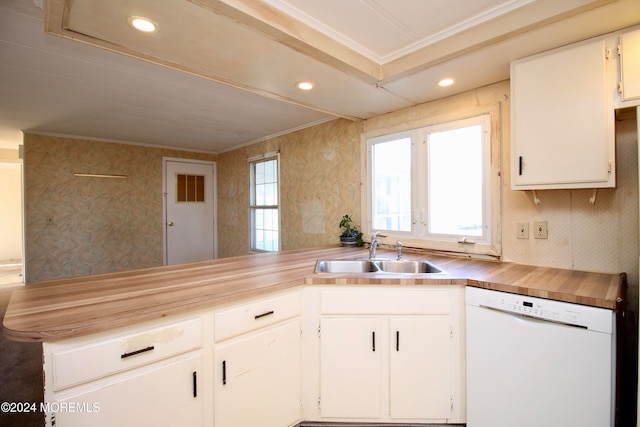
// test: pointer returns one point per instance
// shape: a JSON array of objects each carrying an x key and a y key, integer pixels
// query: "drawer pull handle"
[
  {"x": 258, "y": 316},
  {"x": 133, "y": 353},
  {"x": 195, "y": 384},
  {"x": 373, "y": 341},
  {"x": 520, "y": 165},
  {"x": 224, "y": 372},
  {"x": 397, "y": 340}
]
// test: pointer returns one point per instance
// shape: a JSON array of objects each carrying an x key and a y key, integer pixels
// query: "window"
[
  {"x": 431, "y": 186},
  {"x": 189, "y": 188},
  {"x": 264, "y": 204}
]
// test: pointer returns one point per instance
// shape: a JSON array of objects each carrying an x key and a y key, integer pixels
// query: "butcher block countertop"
[{"x": 66, "y": 308}]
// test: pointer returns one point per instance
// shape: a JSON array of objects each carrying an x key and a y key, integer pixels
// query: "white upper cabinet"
[
  {"x": 562, "y": 119},
  {"x": 629, "y": 86}
]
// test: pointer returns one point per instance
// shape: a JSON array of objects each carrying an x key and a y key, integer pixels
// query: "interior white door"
[{"x": 189, "y": 211}]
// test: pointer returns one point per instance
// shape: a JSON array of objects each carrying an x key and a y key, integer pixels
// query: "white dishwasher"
[{"x": 533, "y": 362}]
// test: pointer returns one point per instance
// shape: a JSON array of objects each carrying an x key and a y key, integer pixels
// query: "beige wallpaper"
[
  {"x": 319, "y": 182},
  {"x": 77, "y": 226}
]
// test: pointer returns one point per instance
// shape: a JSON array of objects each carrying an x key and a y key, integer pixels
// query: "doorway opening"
[{"x": 11, "y": 246}]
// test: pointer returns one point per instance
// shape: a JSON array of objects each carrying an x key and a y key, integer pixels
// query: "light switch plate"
[
  {"x": 540, "y": 230},
  {"x": 522, "y": 230}
]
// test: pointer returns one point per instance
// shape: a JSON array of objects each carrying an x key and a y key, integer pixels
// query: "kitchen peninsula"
[{"x": 108, "y": 336}]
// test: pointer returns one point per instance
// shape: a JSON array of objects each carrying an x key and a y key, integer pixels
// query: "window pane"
[
  {"x": 266, "y": 183},
  {"x": 181, "y": 188},
  {"x": 266, "y": 229},
  {"x": 264, "y": 206},
  {"x": 259, "y": 219},
  {"x": 455, "y": 181},
  {"x": 200, "y": 188},
  {"x": 191, "y": 188},
  {"x": 391, "y": 201}
]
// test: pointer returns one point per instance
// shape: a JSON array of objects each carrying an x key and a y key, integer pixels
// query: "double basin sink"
[{"x": 351, "y": 266}]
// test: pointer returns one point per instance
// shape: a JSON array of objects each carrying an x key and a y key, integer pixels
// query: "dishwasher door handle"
[{"x": 531, "y": 317}]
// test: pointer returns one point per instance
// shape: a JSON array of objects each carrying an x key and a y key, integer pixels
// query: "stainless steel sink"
[
  {"x": 402, "y": 266},
  {"x": 375, "y": 266},
  {"x": 346, "y": 266}
]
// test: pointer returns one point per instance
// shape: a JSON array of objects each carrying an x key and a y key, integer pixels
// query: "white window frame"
[
  {"x": 252, "y": 206},
  {"x": 419, "y": 237}
]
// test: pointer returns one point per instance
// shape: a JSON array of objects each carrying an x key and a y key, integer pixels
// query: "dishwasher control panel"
[{"x": 593, "y": 318}]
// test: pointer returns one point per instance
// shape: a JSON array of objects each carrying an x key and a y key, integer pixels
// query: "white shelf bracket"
[
  {"x": 592, "y": 199},
  {"x": 536, "y": 199}
]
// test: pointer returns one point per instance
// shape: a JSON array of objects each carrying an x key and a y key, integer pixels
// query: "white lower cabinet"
[
  {"x": 420, "y": 367},
  {"x": 257, "y": 362},
  {"x": 351, "y": 368},
  {"x": 163, "y": 395},
  {"x": 379, "y": 354},
  {"x": 391, "y": 356},
  {"x": 257, "y": 378},
  {"x": 407, "y": 359},
  {"x": 150, "y": 375}
]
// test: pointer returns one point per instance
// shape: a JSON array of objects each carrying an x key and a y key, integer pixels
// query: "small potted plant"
[{"x": 351, "y": 235}]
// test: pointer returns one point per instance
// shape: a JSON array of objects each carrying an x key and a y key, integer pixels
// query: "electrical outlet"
[
  {"x": 523, "y": 230},
  {"x": 540, "y": 230}
]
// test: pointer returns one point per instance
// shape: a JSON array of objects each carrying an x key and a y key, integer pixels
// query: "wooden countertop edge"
[
  {"x": 108, "y": 301},
  {"x": 558, "y": 296},
  {"x": 107, "y": 323}
]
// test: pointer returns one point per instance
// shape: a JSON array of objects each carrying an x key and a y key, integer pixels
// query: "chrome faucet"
[
  {"x": 399, "y": 248},
  {"x": 374, "y": 244}
]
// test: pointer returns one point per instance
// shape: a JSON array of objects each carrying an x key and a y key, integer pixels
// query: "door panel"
[
  {"x": 135, "y": 400},
  {"x": 189, "y": 207},
  {"x": 420, "y": 367},
  {"x": 351, "y": 376},
  {"x": 257, "y": 378}
]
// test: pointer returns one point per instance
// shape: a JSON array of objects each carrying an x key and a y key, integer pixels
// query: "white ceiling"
[
  {"x": 220, "y": 73},
  {"x": 383, "y": 30}
]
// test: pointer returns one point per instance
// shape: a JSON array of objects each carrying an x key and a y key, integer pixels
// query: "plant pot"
[{"x": 348, "y": 240}]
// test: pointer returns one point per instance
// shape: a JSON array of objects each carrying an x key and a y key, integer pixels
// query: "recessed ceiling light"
[
  {"x": 305, "y": 85},
  {"x": 445, "y": 82},
  {"x": 143, "y": 24}
]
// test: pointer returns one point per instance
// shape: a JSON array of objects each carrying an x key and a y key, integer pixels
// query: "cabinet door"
[
  {"x": 350, "y": 367},
  {"x": 257, "y": 378},
  {"x": 562, "y": 120},
  {"x": 166, "y": 395},
  {"x": 420, "y": 367},
  {"x": 630, "y": 65}
]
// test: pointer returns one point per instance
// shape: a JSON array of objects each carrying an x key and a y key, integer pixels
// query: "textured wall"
[
  {"x": 77, "y": 226},
  {"x": 319, "y": 182}
]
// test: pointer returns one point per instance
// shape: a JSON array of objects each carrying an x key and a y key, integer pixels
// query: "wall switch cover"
[
  {"x": 540, "y": 230},
  {"x": 522, "y": 230}
]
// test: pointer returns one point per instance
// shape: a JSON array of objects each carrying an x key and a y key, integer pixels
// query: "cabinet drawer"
[
  {"x": 381, "y": 302},
  {"x": 248, "y": 317},
  {"x": 84, "y": 363}
]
